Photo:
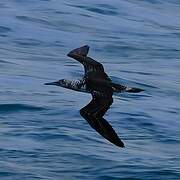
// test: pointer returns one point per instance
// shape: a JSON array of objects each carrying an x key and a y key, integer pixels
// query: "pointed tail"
[
  {"x": 122, "y": 88},
  {"x": 133, "y": 90}
]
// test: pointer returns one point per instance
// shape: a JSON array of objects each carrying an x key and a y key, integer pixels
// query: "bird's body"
[{"x": 99, "y": 84}]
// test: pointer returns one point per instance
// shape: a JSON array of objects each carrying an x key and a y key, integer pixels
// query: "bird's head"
[{"x": 61, "y": 82}]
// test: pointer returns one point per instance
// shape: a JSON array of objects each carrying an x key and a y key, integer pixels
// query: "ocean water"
[{"x": 42, "y": 135}]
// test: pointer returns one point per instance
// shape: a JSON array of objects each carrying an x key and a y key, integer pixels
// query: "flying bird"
[{"x": 99, "y": 84}]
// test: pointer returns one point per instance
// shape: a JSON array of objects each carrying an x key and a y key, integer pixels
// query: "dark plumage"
[{"x": 99, "y": 84}]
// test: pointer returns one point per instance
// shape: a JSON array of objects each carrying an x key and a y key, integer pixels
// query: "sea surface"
[{"x": 43, "y": 136}]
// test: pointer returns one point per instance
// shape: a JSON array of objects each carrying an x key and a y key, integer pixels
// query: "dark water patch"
[
  {"x": 107, "y": 6},
  {"x": 58, "y": 43},
  {"x": 126, "y": 114},
  {"x": 55, "y": 24},
  {"x": 3, "y": 35},
  {"x": 165, "y": 52},
  {"x": 3, "y": 5},
  {"x": 25, "y": 52},
  {"x": 111, "y": 36},
  {"x": 167, "y": 140},
  {"x": 141, "y": 73},
  {"x": 102, "y": 9},
  {"x": 171, "y": 111},
  {"x": 60, "y": 24},
  {"x": 146, "y": 85},
  {"x": 46, "y": 136},
  {"x": 153, "y": 1},
  {"x": 177, "y": 34},
  {"x": 13, "y": 153},
  {"x": 5, "y": 174},
  {"x": 149, "y": 128},
  {"x": 62, "y": 12},
  {"x": 11, "y": 108},
  {"x": 174, "y": 2},
  {"x": 85, "y": 15},
  {"x": 122, "y": 49},
  {"x": 28, "y": 42},
  {"x": 6, "y": 62},
  {"x": 34, "y": 20},
  {"x": 162, "y": 174},
  {"x": 4, "y": 29}
]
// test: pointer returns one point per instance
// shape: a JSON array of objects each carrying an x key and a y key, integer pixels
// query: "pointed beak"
[{"x": 52, "y": 83}]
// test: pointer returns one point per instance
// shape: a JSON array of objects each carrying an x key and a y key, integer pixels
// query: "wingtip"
[
  {"x": 83, "y": 51},
  {"x": 120, "y": 144},
  {"x": 86, "y": 46}
]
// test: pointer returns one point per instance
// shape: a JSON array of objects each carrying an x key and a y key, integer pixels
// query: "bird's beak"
[{"x": 52, "y": 83}]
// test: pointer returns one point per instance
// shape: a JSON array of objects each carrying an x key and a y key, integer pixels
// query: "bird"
[{"x": 96, "y": 82}]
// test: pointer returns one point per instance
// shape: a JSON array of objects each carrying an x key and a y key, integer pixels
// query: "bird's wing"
[
  {"x": 94, "y": 112},
  {"x": 80, "y": 54}
]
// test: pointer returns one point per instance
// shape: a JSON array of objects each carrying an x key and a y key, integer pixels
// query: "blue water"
[{"x": 42, "y": 135}]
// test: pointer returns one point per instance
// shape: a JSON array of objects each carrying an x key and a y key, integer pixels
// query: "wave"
[
  {"x": 4, "y": 29},
  {"x": 4, "y": 108}
]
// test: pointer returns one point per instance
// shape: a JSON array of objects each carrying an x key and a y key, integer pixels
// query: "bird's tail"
[
  {"x": 133, "y": 90},
  {"x": 122, "y": 88}
]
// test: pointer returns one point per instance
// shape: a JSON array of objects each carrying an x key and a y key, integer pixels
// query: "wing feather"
[
  {"x": 94, "y": 112},
  {"x": 80, "y": 54}
]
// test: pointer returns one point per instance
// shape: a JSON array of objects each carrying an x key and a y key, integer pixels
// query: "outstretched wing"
[
  {"x": 94, "y": 112},
  {"x": 80, "y": 54}
]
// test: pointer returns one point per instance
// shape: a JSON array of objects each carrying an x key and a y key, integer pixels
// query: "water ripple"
[
  {"x": 8, "y": 108},
  {"x": 4, "y": 29},
  {"x": 103, "y": 9}
]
